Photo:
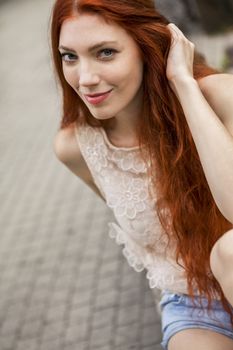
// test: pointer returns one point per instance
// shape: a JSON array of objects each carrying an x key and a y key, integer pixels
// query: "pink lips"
[{"x": 97, "y": 98}]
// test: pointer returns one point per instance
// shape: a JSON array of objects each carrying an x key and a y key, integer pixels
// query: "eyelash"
[
  {"x": 74, "y": 57},
  {"x": 108, "y": 49},
  {"x": 66, "y": 54}
]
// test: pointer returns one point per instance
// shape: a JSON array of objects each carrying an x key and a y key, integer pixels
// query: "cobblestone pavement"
[{"x": 64, "y": 283}]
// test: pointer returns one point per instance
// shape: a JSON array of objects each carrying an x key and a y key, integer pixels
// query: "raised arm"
[{"x": 208, "y": 109}]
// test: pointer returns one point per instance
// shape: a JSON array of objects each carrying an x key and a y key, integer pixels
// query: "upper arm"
[
  {"x": 68, "y": 152},
  {"x": 218, "y": 91}
]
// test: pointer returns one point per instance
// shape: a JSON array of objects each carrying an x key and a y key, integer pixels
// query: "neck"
[{"x": 125, "y": 123}]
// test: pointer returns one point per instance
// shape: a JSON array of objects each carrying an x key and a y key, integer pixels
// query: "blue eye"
[
  {"x": 68, "y": 57},
  {"x": 107, "y": 53}
]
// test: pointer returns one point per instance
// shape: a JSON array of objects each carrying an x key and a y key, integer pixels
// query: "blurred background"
[
  {"x": 64, "y": 284},
  {"x": 209, "y": 23}
]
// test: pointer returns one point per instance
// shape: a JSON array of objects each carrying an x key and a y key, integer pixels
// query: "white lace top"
[{"x": 120, "y": 175}]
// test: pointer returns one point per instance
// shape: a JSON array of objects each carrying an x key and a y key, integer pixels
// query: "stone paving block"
[
  {"x": 81, "y": 345},
  {"x": 87, "y": 267},
  {"x": 86, "y": 283},
  {"x": 108, "y": 269},
  {"x": 38, "y": 298},
  {"x": 19, "y": 294},
  {"x": 29, "y": 344},
  {"x": 108, "y": 284},
  {"x": 105, "y": 347},
  {"x": 98, "y": 338},
  {"x": 56, "y": 313},
  {"x": 10, "y": 325},
  {"x": 63, "y": 281},
  {"x": 149, "y": 332},
  {"x": 5, "y": 288},
  {"x": 7, "y": 342},
  {"x": 129, "y": 297},
  {"x": 31, "y": 329},
  {"x": 151, "y": 298},
  {"x": 80, "y": 315},
  {"x": 52, "y": 344},
  {"x": 48, "y": 261},
  {"x": 35, "y": 312},
  {"x": 81, "y": 298},
  {"x": 16, "y": 307},
  {"x": 126, "y": 335},
  {"x": 126, "y": 280},
  {"x": 148, "y": 316},
  {"x": 103, "y": 318},
  {"x": 74, "y": 333},
  {"x": 105, "y": 281},
  {"x": 10, "y": 270},
  {"x": 106, "y": 300},
  {"x": 51, "y": 331},
  {"x": 128, "y": 315},
  {"x": 58, "y": 296},
  {"x": 152, "y": 347},
  {"x": 43, "y": 280}
]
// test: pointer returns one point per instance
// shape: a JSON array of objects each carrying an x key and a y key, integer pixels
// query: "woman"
[{"x": 149, "y": 127}]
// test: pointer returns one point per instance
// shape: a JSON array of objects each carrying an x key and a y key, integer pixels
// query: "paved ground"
[{"x": 64, "y": 284}]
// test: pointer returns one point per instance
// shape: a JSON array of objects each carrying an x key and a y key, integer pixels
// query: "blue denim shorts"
[{"x": 179, "y": 312}]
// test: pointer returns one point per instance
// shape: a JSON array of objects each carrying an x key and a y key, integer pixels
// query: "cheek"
[
  {"x": 132, "y": 78},
  {"x": 70, "y": 77}
]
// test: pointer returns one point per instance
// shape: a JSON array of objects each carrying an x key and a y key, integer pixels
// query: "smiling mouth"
[
  {"x": 97, "y": 94},
  {"x": 98, "y": 97}
]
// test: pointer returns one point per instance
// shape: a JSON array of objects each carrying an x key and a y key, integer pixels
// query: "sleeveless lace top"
[{"x": 121, "y": 176}]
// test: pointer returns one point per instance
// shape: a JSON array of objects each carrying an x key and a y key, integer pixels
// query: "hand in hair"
[{"x": 180, "y": 57}]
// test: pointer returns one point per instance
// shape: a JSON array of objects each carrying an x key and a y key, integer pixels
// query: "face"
[{"x": 102, "y": 63}]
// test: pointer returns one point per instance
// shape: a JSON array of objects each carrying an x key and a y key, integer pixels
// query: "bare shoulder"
[
  {"x": 216, "y": 83},
  {"x": 218, "y": 90},
  {"x": 67, "y": 150},
  {"x": 66, "y": 146}
]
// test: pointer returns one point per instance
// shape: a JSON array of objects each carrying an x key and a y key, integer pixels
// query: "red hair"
[{"x": 178, "y": 179}]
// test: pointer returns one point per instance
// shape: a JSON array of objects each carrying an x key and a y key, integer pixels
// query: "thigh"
[{"x": 201, "y": 339}]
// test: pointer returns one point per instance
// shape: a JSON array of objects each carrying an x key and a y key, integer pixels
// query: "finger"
[
  {"x": 173, "y": 27},
  {"x": 174, "y": 33},
  {"x": 178, "y": 34}
]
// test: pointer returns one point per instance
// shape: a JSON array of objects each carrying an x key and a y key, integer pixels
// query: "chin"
[{"x": 102, "y": 116}]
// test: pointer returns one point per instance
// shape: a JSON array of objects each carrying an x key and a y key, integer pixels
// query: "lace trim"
[
  {"x": 135, "y": 148},
  {"x": 161, "y": 273},
  {"x": 97, "y": 152},
  {"x": 116, "y": 233},
  {"x": 164, "y": 275}
]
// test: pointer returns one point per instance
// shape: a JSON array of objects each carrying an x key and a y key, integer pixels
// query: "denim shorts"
[{"x": 179, "y": 312}]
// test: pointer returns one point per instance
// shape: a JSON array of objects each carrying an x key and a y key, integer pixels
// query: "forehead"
[{"x": 91, "y": 28}]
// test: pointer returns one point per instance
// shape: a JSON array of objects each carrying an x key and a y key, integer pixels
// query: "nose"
[{"x": 88, "y": 75}]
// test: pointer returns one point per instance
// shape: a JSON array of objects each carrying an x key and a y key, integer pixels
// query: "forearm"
[{"x": 213, "y": 142}]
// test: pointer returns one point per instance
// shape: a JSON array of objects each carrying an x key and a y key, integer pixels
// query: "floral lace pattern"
[
  {"x": 128, "y": 199},
  {"x": 128, "y": 162},
  {"x": 95, "y": 150},
  {"x": 121, "y": 176}
]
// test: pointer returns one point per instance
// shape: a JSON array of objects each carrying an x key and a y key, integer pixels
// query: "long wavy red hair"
[{"x": 177, "y": 176}]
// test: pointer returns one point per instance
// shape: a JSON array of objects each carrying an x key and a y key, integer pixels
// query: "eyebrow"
[{"x": 92, "y": 48}]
